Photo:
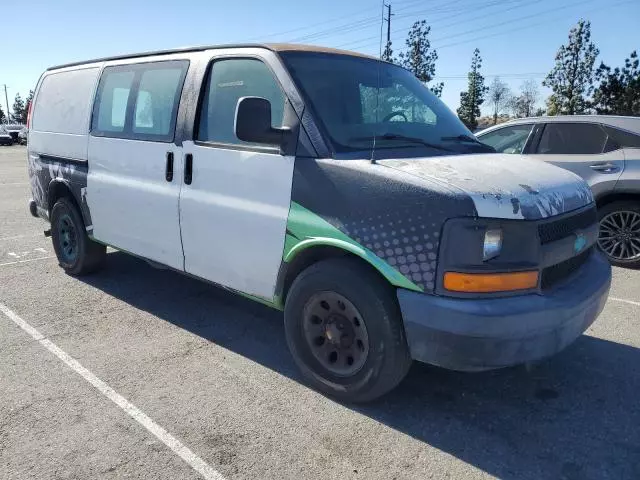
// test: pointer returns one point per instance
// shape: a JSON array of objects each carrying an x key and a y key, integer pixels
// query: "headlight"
[{"x": 492, "y": 244}]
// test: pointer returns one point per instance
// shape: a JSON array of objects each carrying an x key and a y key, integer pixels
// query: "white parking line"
[
  {"x": 25, "y": 261},
  {"x": 138, "y": 415},
  {"x": 623, "y": 300}
]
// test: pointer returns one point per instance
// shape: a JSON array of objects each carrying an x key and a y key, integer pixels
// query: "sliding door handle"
[
  {"x": 188, "y": 168},
  {"x": 168, "y": 173}
]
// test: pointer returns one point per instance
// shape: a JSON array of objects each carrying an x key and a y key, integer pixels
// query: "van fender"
[{"x": 394, "y": 277}]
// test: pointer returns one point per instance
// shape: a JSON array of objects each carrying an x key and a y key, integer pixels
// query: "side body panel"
[
  {"x": 233, "y": 217},
  {"x": 601, "y": 172},
  {"x": 57, "y": 148},
  {"x": 629, "y": 181},
  {"x": 132, "y": 206}
]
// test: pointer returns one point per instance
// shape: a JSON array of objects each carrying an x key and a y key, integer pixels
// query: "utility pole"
[
  {"x": 6, "y": 99},
  {"x": 387, "y": 50},
  {"x": 388, "y": 20}
]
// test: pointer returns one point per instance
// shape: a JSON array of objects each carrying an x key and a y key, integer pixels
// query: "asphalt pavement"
[{"x": 136, "y": 372}]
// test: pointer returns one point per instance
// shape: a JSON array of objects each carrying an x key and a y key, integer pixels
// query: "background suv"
[{"x": 605, "y": 151}]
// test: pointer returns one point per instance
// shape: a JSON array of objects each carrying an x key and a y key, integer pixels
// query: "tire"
[
  {"x": 387, "y": 358},
  {"x": 614, "y": 214},
  {"x": 77, "y": 253}
]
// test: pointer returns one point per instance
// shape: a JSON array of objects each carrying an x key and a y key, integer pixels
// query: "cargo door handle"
[
  {"x": 168, "y": 173},
  {"x": 188, "y": 168},
  {"x": 605, "y": 167}
]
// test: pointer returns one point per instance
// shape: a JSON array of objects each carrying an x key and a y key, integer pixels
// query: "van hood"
[{"x": 503, "y": 185}]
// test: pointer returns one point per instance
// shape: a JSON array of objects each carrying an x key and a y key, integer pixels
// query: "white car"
[
  {"x": 602, "y": 149},
  {"x": 5, "y": 136}
]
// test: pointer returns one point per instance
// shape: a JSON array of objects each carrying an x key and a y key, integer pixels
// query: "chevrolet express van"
[{"x": 330, "y": 185}]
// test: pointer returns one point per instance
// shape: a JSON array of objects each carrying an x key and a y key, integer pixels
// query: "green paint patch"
[{"x": 306, "y": 229}]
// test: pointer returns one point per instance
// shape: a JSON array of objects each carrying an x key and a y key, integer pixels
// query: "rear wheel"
[
  {"x": 76, "y": 252},
  {"x": 619, "y": 236},
  {"x": 344, "y": 330}
]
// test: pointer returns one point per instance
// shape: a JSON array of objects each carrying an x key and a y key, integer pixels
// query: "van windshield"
[{"x": 357, "y": 99}]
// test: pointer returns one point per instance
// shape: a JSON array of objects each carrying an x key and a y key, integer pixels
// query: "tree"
[
  {"x": 2, "y": 116},
  {"x": 619, "y": 90},
  {"x": 523, "y": 105},
  {"x": 470, "y": 101},
  {"x": 387, "y": 55},
  {"x": 572, "y": 76},
  {"x": 499, "y": 95},
  {"x": 420, "y": 58},
  {"x": 19, "y": 112}
]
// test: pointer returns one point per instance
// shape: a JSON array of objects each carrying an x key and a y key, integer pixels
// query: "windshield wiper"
[
  {"x": 462, "y": 138},
  {"x": 396, "y": 136}
]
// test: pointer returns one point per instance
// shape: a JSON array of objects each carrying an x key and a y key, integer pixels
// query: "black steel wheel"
[
  {"x": 76, "y": 252},
  {"x": 344, "y": 330},
  {"x": 619, "y": 237},
  {"x": 336, "y": 333}
]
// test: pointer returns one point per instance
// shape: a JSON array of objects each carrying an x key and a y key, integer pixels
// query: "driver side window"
[{"x": 508, "y": 139}]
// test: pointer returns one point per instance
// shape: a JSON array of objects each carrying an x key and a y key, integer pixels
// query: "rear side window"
[
  {"x": 140, "y": 101},
  {"x": 228, "y": 81},
  {"x": 508, "y": 139},
  {"x": 572, "y": 138},
  {"x": 115, "y": 88},
  {"x": 621, "y": 139},
  {"x": 63, "y": 101}
]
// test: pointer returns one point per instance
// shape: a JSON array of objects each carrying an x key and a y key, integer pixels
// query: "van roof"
[{"x": 276, "y": 47}]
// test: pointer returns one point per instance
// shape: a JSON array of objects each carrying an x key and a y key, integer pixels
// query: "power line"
[
  {"x": 359, "y": 25},
  {"x": 407, "y": 3},
  {"x": 432, "y": 23},
  {"x": 530, "y": 25}
]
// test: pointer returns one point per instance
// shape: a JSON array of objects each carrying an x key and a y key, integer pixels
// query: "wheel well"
[
  {"x": 58, "y": 190},
  {"x": 313, "y": 255},
  {"x": 617, "y": 197}
]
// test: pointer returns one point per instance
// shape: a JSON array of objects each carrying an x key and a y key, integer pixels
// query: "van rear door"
[{"x": 132, "y": 190}]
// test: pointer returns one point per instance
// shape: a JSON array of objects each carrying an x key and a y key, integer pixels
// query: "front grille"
[
  {"x": 558, "y": 229},
  {"x": 560, "y": 271}
]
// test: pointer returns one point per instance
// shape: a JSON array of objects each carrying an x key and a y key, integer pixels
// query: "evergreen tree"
[
  {"x": 420, "y": 58},
  {"x": 387, "y": 55},
  {"x": 619, "y": 90},
  {"x": 572, "y": 76},
  {"x": 19, "y": 112},
  {"x": 470, "y": 101}
]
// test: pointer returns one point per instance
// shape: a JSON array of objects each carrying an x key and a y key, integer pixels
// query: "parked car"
[
  {"x": 14, "y": 130},
  {"x": 327, "y": 184},
  {"x": 5, "y": 136},
  {"x": 605, "y": 151},
  {"x": 23, "y": 136}
]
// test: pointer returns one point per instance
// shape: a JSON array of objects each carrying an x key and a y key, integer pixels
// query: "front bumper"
[
  {"x": 483, "y": 334},
  {"x": 6, "y": 140}
]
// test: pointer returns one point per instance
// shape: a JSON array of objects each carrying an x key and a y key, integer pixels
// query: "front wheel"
[
  {"x": 76, "y": 252},
  {"x": 344, "y": 330},
  {"x": 619, "y": 236}
]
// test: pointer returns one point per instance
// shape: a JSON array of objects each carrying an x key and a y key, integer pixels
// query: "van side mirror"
[{"x": 253, "y": 123}]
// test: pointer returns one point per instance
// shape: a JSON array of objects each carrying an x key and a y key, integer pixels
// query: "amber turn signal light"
[{"x": 490, "y": 282}]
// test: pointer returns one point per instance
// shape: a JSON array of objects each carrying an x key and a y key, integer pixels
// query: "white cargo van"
[{"x": 327, "y": 184}]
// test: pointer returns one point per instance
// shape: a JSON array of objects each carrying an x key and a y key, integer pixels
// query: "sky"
[{"x": 517, "y": 39}]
